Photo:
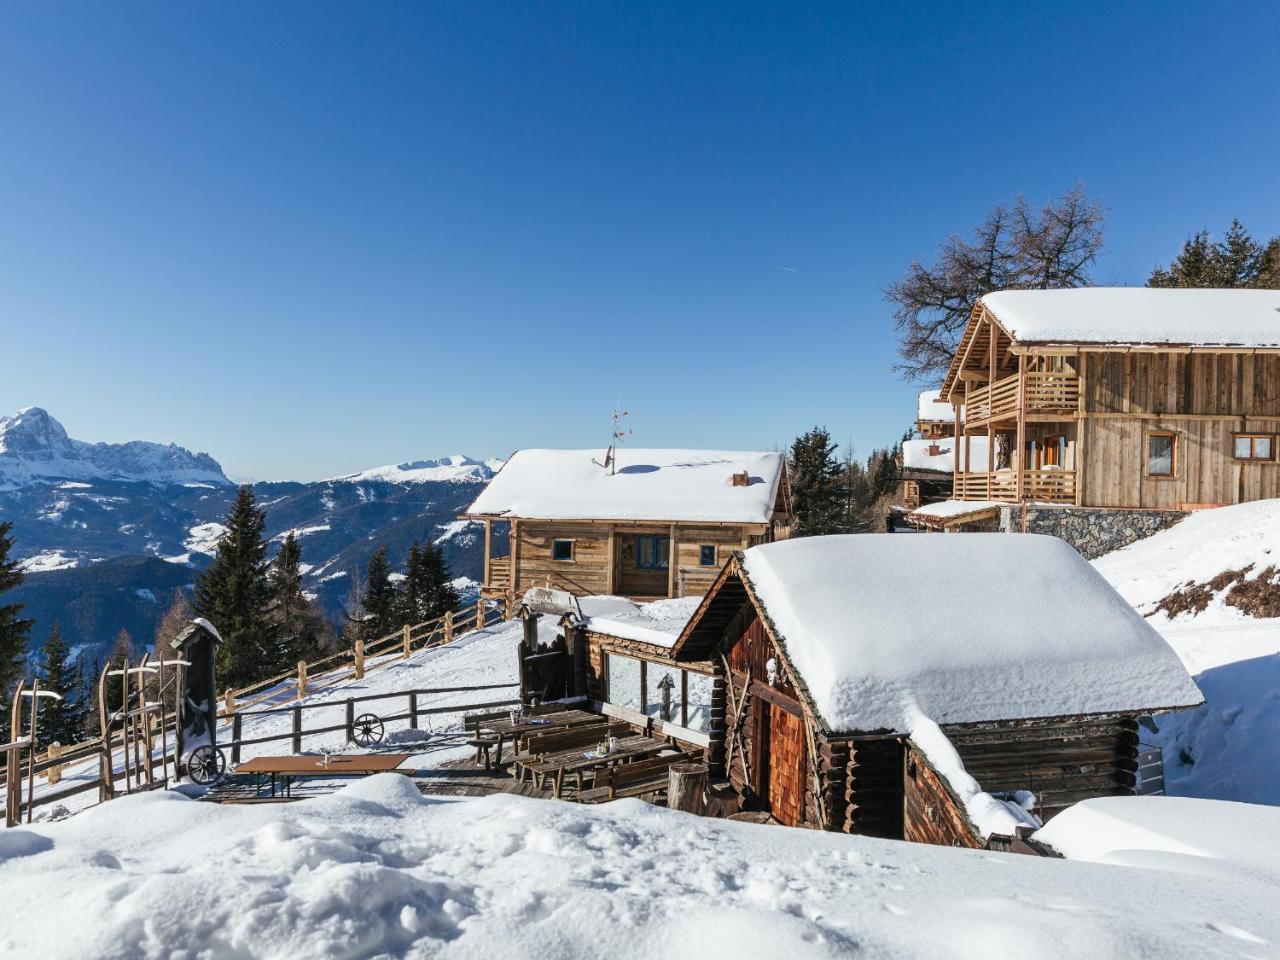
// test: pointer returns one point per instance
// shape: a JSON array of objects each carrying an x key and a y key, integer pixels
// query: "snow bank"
[
  {"x": 659, "y": 622},
  {"x": 665, "y": 485},
  {"x": 1248, "y": 318},
  {"x": 1053, "y": 639},
  {"x": 1186, "y": 835},
  {"x": 376, "y": 870}
]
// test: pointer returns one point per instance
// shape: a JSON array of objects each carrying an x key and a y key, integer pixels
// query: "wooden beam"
[
  {"x": 1021, "y": 451},
  {"x": 488, "y": 547},
  {"x": 673, "y": 561}
]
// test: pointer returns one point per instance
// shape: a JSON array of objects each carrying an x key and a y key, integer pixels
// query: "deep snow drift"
[{"x": 377, "y": 870}]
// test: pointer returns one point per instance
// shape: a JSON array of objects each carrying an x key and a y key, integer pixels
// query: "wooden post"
[
  {"x": 611, "y": 571},
  {"x": 687, "y": 787},
  {"x": 13, "y": 762},
  {"x": 31, "y": 748},
  {"x": 302, "y": 680},
  {"x": 1022, "y": 428},
  {"x": 673, "y": 560},
  {"x": 488, "y": 549},
  {"x": 513, "y": 551},
  {"x": 404, "y": 642},
  {"x": 359, "y": 658},
  {"x": 508, "y": 607},
  {"x": 413, "y": 711},
  {"x": 229, "y": 702},
  {"x": 448, "y": 626},
  {"x": 54, "y": 774},
  {"x": 351, "y": 720},
  {"x": 297, "y": 729},
  {"x": 480, "y": 613},
  {"x": 236, "y": 726},
  {"x": 1077, "y": 464}
]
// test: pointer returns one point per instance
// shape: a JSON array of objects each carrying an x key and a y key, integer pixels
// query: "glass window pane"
[
  {"x": 624, "y": 682},
  {"x": 699, "y": 702},
  {"x": 562, "y": 550},
  {"x": 1244, "y": 448},
  {"x": 707, "y": 555},
  {"x": 1262, "y": 448},
  {"x": 663, "y": 694},
  {"x": 1160, "y": 454}
]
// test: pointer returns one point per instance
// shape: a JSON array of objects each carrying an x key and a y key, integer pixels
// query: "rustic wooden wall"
[
  {"x": 874, "y": 788},
  {"x": 587, "y": 573},
  {"x": 931, "y": 813}
]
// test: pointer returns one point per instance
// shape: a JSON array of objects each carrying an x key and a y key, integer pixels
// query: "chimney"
[
  {"x": 934, "y": 450},
  {"x": 742, "y": 479}
]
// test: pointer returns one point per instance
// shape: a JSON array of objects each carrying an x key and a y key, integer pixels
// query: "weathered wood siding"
[
  {"x": 930, "y": 811},
  {"x": 1060, "y": 761},
  {"x": 587, "y": 573},
  {"x": 873, "y": 797}
]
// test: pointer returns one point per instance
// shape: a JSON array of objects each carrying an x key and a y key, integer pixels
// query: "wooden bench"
[
  {"x": 637, "y": 779},
  {"x": 539, "y": 746},
  {"x": 482, "y": 742}
]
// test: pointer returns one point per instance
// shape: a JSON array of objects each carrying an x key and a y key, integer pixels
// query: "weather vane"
[{"x": 616, "y": 436}]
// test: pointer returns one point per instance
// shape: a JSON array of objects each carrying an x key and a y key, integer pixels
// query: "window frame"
[
  {"x": 1173, "y": 455},
  {"x": 655, "y": 539},
  {"x": 573, "y": 549},
  {"x": 1253, "y": 438},
  {"x": 702, "y": 555}
]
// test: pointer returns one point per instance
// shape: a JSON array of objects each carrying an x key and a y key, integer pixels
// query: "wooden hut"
[
  {"x": 646, "y": 524},
  {"x": 1133, "y": 398},
  {"x": 847, "y": 709}
]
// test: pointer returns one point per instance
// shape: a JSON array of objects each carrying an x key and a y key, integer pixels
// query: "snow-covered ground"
[
  {"x": 1228, "y": 748},
  {"x": 377, "y": 870}
]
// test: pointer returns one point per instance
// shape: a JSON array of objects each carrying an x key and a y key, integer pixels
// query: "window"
[
  {"x": 562, "y": 550},
  {"x": 652, "y": 552},
  {"x": 1255, "y": 446},
  {"x": 1162, "y": 454},
  {"x": 663, "y": 696},
  {"x": 707, "y": 555},
  {"x": 1053, "y": 451},
  {"x": 625, "y": 682},
  {"x": 659, "y": 690},
  {"x": 698, "y": 701}
]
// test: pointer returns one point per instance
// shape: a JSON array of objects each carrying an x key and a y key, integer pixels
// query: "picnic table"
[
  {"x": 514, "y": 731},
  {"x": 309, "y": 766},
  {"x": 579, "y": 760}
]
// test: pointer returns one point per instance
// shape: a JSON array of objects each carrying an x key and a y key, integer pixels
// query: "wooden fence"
[{"x": 306, "y": 679}]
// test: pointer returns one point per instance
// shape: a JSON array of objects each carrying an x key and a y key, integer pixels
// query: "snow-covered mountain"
[
  {"x": 444, "y": 470},
  {"x": 35, "y": 448}
]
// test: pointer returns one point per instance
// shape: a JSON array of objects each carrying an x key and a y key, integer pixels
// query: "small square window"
[
  {"x": 562, "y": 550},
  {"x": 1254, "y": 446},
  {"x": 707, "y": 555},
  {"x": 1162, "y": 456}
]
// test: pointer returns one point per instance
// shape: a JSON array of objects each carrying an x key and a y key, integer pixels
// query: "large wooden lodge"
[
  {"x": 1135, "y": 398},
  {"x": 649, "y": 524}
]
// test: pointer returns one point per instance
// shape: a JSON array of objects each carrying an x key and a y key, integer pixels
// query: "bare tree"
[{"x": 1013, "y": 248}]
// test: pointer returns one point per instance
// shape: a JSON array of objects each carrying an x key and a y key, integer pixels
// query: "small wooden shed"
[{"x": 1031, "y": 667}]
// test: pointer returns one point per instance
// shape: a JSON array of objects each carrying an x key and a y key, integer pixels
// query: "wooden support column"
[
  {"x": 1078, "y": 463},
  {"x": 611, "y": 573},
  {"x": 1022, "y": 429},
  {"x": 968, "y": 457},
  {"x": 991, "y": 386},
  {"x": 488, "y": 548},
  {"x": 513, "y": 551},
  {"x": 673, "y": 560}
]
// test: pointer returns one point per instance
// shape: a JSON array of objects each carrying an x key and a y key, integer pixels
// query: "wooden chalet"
[
  {"x": 650, "y": 524},
  {"x": 935, "y": 418},
  {"x": 925, "y": 469},
  {"x": 1132, "y": 398},
  {"x": 845, "y": 709}
]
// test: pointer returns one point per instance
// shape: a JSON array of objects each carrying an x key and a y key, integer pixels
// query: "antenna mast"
[{"x": 618, "y": 433}]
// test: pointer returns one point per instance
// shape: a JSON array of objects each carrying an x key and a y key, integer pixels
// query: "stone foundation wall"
[{"x": 1091, "y": 531}]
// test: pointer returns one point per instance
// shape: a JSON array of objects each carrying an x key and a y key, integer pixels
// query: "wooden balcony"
[
  {"x": 498, "y": 581},
  {"x": 1048, "y": 396},
  {"x": 1046, "y": 486}
]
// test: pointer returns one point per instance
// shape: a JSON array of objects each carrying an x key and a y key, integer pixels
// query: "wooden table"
[
  {"x": 288, "y": 769},
  {"x": 580, "y": 760},
  {"x": 540, "y": 723}
]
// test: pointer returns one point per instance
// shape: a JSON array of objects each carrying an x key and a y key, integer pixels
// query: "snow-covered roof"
[
  {"x": 929, "y": 406},
  {"x": 658, "y": 623},
  {"x": 917, "y": 455},
  {"x": 953, "y": 509},
  {"x": 1016, "y": 627},
  {"x": 661, "y": 485},
  {"x": 1140, "y": 315}
]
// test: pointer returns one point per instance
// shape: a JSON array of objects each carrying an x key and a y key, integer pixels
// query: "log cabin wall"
[
  {"x": 930, "y": 811},
  {"x": 586, "y": 574},
  {"x": 873, "y": 794},
  {"x": 1061, "y": 761},
  {"x": 1203, "y": 399}
]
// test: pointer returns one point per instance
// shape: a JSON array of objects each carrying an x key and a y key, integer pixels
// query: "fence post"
[
  {"x": 405, "y": 641},
  {"x": 448, "y": 626},
  {"x": 297, "y": 729},
  {"x": 351, "y": 720},
  {"x": 229, "y": 702},
  {"x": 508, "y": 607},
  {"x": 413, "y": 711},
  {"x": 302, "y": 679},
  {"x": 235, "y": 738},
  {"x": 359, "y": 658},
  {"x": 480, "y": 613},
  {"x": 54, "y": 774}
]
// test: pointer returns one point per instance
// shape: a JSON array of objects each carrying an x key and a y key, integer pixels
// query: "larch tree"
[
  {"x": 233, "y": 594},
  {"x": 1014, "y": 248},
  {"x": 176, "y": 619},
  {"x": 15, "y": 629}
]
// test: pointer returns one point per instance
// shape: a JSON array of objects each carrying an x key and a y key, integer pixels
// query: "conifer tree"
[
  {"x": 234, "y": 595},
  {"x": 176, "y": 619},
  {"x": 299, "y": 629},
  {"x": 14, "y": 629},
  {"x": 381, "y": 599},
  {"x": 441, "y": 597},
  {"x": 60, "y": 720},
  {"x": 122, "y": 654},
  {"x": 817, "y": 496},
  {"x": 1237, "y": 260}
]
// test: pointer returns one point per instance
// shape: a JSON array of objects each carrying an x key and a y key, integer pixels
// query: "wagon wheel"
[
  {"x": 206, "y": 765},
  {"x": 367, "y": 730}
]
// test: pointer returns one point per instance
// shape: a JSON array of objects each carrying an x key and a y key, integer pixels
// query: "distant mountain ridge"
[{"x": 35, "y": 448}]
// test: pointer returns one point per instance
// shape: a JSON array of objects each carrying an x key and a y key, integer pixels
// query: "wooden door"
[{"x": 786, "y": 766}]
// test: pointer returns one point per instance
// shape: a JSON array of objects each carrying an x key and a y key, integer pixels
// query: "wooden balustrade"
[
  {"x": 1047, "y": 394},
  {"x": 499, "y": 582},
  {"x": 1049, "y": 486}
]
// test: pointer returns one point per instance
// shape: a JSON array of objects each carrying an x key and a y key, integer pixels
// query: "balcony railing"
[
  {"x": 1047, "y": 393},
  {"x": 1049, "y": 486},
  {"x": 499, "y": 581}
]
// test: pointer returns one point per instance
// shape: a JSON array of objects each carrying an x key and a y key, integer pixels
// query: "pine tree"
[
  {"x": 1237, "y": 260},
  {"x": 441, "y": 597},
  {"x": 234, "y": 595},
  {"x": 816, "y": 490},
  {"x": 121, "y": 655},
  {"x": 60, "y": 720},
  {"x": 14, "y": 629},
  {"x": 381, "y": 599},
  {"x": 300, "y": 632},
  {"x": 416, "y": 588}
]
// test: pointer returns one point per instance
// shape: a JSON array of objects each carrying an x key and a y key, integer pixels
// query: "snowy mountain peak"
[
  {"x": 35, "y": 448},
  {"x": 455, "y": 467}
]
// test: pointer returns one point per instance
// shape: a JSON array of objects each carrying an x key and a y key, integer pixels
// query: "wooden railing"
[
  {"x": 499, "y": 579},
  {"x": 1046, "y": 393},
  {"x": 1050, "y": 486},
  {"x": 695, "y": 581}
]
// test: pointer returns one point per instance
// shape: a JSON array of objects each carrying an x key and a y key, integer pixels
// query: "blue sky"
[{"x": 311, "y": 238}]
